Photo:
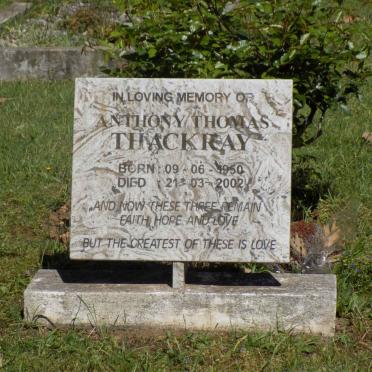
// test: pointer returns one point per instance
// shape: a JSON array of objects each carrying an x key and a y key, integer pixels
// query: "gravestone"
[{"x": 182, "y": 170}]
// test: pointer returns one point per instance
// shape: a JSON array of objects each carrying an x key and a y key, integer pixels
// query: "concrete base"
[{"x": 295, "y": 302}]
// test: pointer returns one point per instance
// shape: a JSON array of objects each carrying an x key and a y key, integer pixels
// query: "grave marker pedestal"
[
  {"x": 178, "y": 274},
  {"x": 182, "y": 170}
]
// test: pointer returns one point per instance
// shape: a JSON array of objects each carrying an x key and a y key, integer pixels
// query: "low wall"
[{"x": 49, "y": 63}]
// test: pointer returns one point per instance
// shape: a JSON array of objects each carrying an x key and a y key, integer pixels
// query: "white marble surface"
[{"x": 246, "y": 212}]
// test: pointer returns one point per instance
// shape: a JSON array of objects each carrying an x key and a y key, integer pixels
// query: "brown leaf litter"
[
  {"x": 367, "y": 136},
  {"x": 313, "y": 244},
  {"x": 4, "y": 99},
  {"x": 59, "y": 224}
]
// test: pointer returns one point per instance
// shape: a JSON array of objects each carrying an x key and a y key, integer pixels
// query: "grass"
[
  {"x": 71, "y": 350},
  {"x": 34, "y": 177},
  {"x": 344, "y": 160}
]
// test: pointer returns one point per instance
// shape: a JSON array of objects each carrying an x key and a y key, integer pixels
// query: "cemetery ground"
[
  {"x": 35, "y": 142},
  {"x": 35, "y": 175}
]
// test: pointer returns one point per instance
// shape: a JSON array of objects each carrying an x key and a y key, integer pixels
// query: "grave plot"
[{"x": 182, "y": 170}]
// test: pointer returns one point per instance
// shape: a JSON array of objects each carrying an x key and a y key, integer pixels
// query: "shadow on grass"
[{"x": 309, "y": 185}]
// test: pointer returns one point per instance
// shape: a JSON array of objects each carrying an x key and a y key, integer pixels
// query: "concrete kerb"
[
  {"x": 49, "y": 63},
  {"x": 13, "y": 10}
]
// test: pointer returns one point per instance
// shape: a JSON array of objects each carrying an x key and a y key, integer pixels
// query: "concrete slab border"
[
  {"x": 13, "y": 10},
  {"x": 291, "y": 302},
  {"x": 49, "y": 63}
]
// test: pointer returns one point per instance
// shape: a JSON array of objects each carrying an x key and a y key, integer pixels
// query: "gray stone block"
[
  {"x": 178, "y": 274},
  {"x": 13, "y": 10},
  {"x": 49, "y": 63},
  {"x": 294, "y": 302}
]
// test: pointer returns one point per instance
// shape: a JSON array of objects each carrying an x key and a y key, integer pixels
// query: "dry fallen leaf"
[
  {"x": 298, "y": 247},
  {"x": 59, "y": 224},
  {"x": 333, "y": 241},
  {"x": 309, "y": 240},
  {"x": 3, "y": 99},
  {"x": 350, "y": 19},
  {"x": 65, "y": 238},
  {"x": 334, "y": 257},
  {"x": 367, "y": 136},
  {"x": 332, "y": 235}
]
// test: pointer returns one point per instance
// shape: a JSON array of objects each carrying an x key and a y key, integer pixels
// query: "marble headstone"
[{"x": 181, "y": 170}]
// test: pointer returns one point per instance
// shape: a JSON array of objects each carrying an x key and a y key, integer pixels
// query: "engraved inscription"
[{"x": 181, "y": 170}]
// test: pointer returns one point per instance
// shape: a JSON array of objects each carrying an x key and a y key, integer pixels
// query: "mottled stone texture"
[
  {"x": 178, "y": 275},
  {"x": 300, "y": 303},
  {"x": 48, "y": 63},
  {"x": 221, "y": 149}
]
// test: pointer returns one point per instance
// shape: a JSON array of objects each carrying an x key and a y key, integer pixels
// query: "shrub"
[{"x": 306, "y": 41}]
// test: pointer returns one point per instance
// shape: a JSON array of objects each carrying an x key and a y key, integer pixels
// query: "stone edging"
[
  {"x": 13, "y": 10},
  {"x": 54, "y": 63}
]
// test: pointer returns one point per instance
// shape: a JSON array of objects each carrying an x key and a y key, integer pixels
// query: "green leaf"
[
  {"x": 220, "y": 65},
  {"x": 152, "y": 52},
  {"x": 292, "y": 54},
  {"x": 116, "y": 34},
  {"x": 338, "y": 17},
  {"x": 306, "y": 41},
  {"x": 304, "y": 38}
]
